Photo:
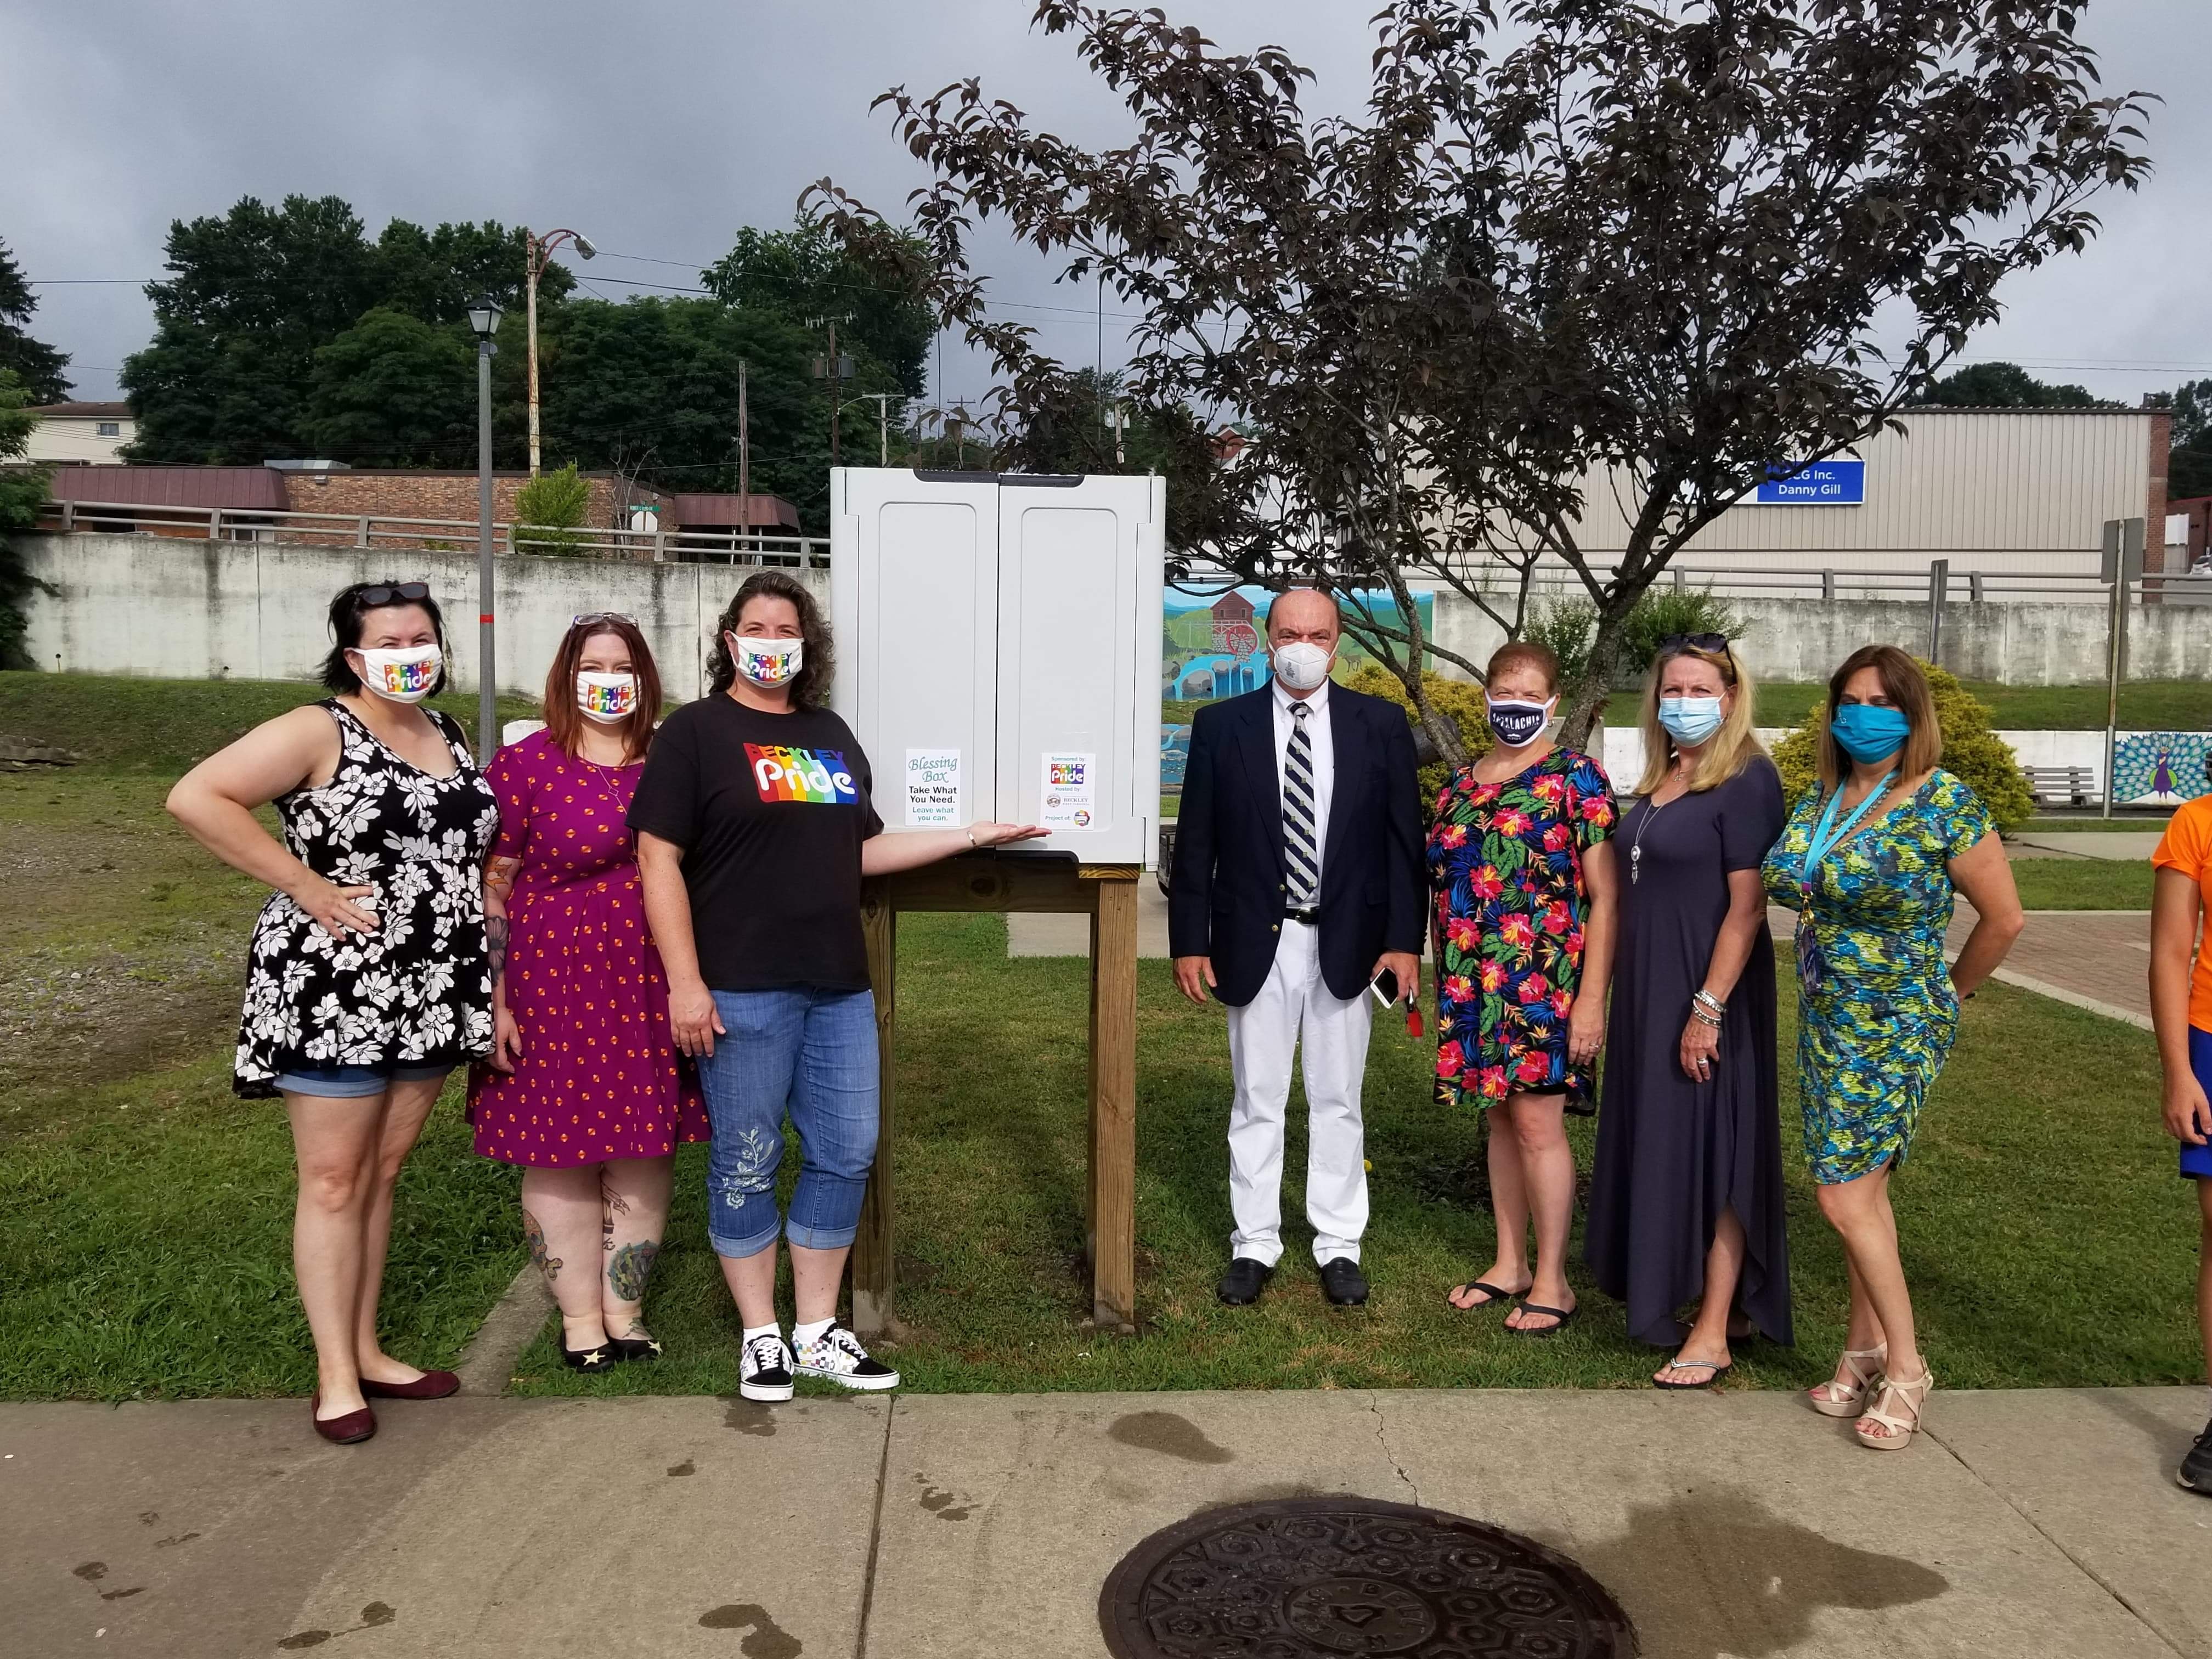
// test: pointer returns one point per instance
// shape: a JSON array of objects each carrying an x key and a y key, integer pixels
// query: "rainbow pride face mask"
[
  {"x": 606, "y": 698},
  {"x": 401, "y": 675},
  {"x": 764, "y": 662}
]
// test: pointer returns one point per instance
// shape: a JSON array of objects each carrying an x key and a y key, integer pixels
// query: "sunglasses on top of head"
[
  {"x": 1695, "y": 642},
  {"x": 590, "y": 617},
  {"x": 392, "y": 593}
]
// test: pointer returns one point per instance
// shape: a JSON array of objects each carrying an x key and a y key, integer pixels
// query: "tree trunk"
[{"x": 1586, "y": 698}]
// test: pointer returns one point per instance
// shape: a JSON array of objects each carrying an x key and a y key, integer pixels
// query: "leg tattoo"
[
  {"x": 626, "y": 1274},
  {"x": 534, "y": 1236}
]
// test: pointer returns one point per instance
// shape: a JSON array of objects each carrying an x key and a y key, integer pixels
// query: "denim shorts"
[
  {"x": 353, "y": 1082},
  {"x": 810, "y": 1053}
]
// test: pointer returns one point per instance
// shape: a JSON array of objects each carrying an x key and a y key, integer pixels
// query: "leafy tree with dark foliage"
[
  {"x": 1616, "y": 248},
  {"x": 254, "y": 295},
  {"x": 22, "y": 490},
  {"x": 2189, "y": 465},
  {"x": 1070, "y": 430},
  {"x": 394, "y": 390},
  {"x": 37, "y": 365},
  {"x": 803, "y": 273},
  {"x": 2003, "y": 386}
]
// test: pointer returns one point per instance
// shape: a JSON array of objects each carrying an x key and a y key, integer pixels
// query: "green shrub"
[
  {"x": 1457, "y": 700},
  {"x": 1569, "y": 627},
  {"x": 552, "y": 506},
  {"x": 1972, "y": 751}
]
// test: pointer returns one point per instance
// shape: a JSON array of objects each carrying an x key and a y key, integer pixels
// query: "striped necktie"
[{"x": 1299, "y": 848}]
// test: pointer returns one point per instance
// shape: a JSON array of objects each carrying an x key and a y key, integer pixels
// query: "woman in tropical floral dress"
[
  {"x": 1523, "y": 873},
  {"x": 1871, "y": 859}
]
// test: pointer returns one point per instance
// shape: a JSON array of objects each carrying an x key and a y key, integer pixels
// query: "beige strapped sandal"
[
  {"x": 1901, "y": 1430},
  {"x": 1832, "y": 1399}
]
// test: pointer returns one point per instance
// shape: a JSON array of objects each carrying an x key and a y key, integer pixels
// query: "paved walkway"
[
  {"x": 949, "y": 1527},
  {"x": 2122, "y": 846}
]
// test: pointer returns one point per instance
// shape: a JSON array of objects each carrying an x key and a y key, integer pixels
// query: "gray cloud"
[{"x": 659, "y": 126}]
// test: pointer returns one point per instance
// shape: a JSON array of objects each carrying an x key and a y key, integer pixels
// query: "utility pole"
[
  {"x": 483, "y": 317},
  {"x": 745, "y": 452},
  {"x": 537, "y": 252},
  {"x": 837, "y": 370}
]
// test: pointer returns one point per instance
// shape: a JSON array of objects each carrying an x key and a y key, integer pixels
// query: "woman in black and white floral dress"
[{"x": 370, "y": 974}]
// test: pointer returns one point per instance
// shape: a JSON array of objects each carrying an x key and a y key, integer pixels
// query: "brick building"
[{"x": 175, "y": 501}]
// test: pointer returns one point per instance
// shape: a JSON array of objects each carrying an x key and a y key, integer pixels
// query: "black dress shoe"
[
  {"x": 1344, "y": 1284},
  {"x": 596, "y": 1358},
  {"x": 634, "y": 1347},
  {"x": 1240, "y": 1286}
]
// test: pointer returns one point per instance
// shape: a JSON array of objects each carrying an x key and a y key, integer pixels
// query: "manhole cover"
[{"x": 1312, "y": 1577}]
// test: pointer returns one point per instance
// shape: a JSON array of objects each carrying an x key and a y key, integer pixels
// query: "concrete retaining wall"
[{"x": 148, "y": 604}]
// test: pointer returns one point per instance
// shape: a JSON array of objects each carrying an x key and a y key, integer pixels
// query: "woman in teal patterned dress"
[{"x": 1871, "y": 861}]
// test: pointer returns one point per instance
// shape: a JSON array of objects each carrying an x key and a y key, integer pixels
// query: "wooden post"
[
  {"x": 872, "y": 1250},
  {"x": 1112, "y": 1188}
]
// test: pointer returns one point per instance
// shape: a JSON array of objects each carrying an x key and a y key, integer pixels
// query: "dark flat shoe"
[
  {"x": 1343, "y": 1283},
  {"x": 1714, "y": 1373},
  {"x": 634, "y": 1347},
  {"x": 1563, "y": 1315},
  {"x": 598, "y": 1358},
  {"x": 1241, "y": 1285},
  {"x": 431, "y": 1385},
  {"x": 349, "y": 1430}
]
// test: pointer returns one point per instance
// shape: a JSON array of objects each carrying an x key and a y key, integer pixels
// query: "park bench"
[{"x": 2063, "y": 786}]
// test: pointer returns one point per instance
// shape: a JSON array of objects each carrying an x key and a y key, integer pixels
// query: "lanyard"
[{"x": 1823, "y": 843}]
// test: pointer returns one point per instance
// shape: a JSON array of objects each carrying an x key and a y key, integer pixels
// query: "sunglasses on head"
[
  {"x": 601, "y": 617},
  {"x": 1694, "y": 642},
  {"x": 392, "y": 593}
]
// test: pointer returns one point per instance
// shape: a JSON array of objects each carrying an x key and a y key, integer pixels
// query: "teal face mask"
[{"x": 1870, "y": 732}]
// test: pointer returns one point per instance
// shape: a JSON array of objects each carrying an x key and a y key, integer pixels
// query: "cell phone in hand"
[{"x": 1384, "y": 988}]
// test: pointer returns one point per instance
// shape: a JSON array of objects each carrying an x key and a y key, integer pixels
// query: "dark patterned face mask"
[{"x": 1518, "y": 723}]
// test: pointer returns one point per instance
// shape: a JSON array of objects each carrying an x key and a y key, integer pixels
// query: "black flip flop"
[
  {"x": 1561, "y": 1315},
  {"x": 1496, "y": 1296},
  {"x": 1718, "y": 1372}
]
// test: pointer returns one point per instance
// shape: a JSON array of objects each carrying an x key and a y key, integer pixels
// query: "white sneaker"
[
  {"x": 836, "y": 1355},
  {"x": 764, "y": 1369}
]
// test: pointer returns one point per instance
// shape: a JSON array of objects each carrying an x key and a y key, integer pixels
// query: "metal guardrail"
[
  {"x": 363, "y": 530},
  {"x": 1938, "y": 582}
]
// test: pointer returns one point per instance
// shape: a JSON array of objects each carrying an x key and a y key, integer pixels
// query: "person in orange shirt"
[{"x": 2181, "y": 1013}]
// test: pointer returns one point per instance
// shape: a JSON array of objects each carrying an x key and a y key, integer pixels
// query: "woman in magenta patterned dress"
[
  {"x": 1525, "y": 905},
  {"x": 585, "y": 1089}
]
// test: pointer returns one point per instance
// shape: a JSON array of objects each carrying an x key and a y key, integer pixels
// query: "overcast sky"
[{"x": 659, "y": 126}]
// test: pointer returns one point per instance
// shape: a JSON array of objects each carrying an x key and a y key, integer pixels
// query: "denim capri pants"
[{"x": 809, "y": 1052}]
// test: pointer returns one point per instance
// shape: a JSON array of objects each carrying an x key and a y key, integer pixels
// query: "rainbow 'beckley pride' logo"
[
  {"x": 610, "y": 701},
  {"x": 1068, "y": 774},
  {"x": 816, "y": 775},
  {"x": 405, "y": 679}
]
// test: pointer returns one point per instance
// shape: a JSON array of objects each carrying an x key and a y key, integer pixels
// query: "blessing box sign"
[{"x": 932, "y": 787}]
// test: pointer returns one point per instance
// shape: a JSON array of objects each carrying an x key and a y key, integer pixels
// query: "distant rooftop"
[{"x": 86, "y": 412}]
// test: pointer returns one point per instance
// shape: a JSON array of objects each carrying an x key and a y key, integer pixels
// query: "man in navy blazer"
[{"x": 1298, "y": 878}]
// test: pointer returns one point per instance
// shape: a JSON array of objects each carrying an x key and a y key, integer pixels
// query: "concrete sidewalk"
[{"x": 1734, "y": 1524}]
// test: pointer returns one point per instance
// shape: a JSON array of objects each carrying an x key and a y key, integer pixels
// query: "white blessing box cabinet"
[{"x": 999, "y": 650}]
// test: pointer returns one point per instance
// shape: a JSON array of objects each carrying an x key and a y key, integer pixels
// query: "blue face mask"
[
  {"x": 1690, "y": 720},
  {"x": 1870, "y": 732}
]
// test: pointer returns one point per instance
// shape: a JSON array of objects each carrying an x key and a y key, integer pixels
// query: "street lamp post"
[
  {"x": 483, "y": 317},
  {"x": 540, "y": 251}
]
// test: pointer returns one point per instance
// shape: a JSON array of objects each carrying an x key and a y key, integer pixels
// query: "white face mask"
[
  {"x": 764, "y": 662},
  {"x": 607, "y": 698},
  {"x": 401, "y": 675},
  {"x": 1302, "y": 666}
]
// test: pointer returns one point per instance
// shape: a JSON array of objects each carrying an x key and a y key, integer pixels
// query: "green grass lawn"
[
  {"x": 2089, "y": 1284},
  {"x": 144, "y": 1213},
  {"x": 2083, "y": 883},
  {"x": 2145, "y": 705}
]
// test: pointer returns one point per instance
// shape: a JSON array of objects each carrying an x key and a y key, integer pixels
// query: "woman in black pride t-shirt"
[{"x": 755, "y": 828}]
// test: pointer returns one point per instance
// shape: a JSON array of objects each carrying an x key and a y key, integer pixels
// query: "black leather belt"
[{"x": 1311, "y": 918}]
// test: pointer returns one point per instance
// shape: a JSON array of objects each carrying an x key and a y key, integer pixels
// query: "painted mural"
[
  {"x": 2161, "y": 766},
  {"x": 1214, "y": 646}
]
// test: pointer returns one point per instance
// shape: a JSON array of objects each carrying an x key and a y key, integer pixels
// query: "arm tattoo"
[
  {"x": 627, "y": 1273},
  {"x": 495, "y": 943},
  {"x": 534, "y": 1236},
  {"x": 499, "y": 879}
]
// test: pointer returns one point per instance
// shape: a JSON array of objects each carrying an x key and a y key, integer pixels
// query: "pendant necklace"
[{"x": 1636, "y": 847}]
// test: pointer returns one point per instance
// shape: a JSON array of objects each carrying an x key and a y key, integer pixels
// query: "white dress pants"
[{"x": 1296, "y": 1009}]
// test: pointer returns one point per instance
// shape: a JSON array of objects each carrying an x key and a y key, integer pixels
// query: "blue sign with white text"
[{"x": 1819, "y": 484}]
